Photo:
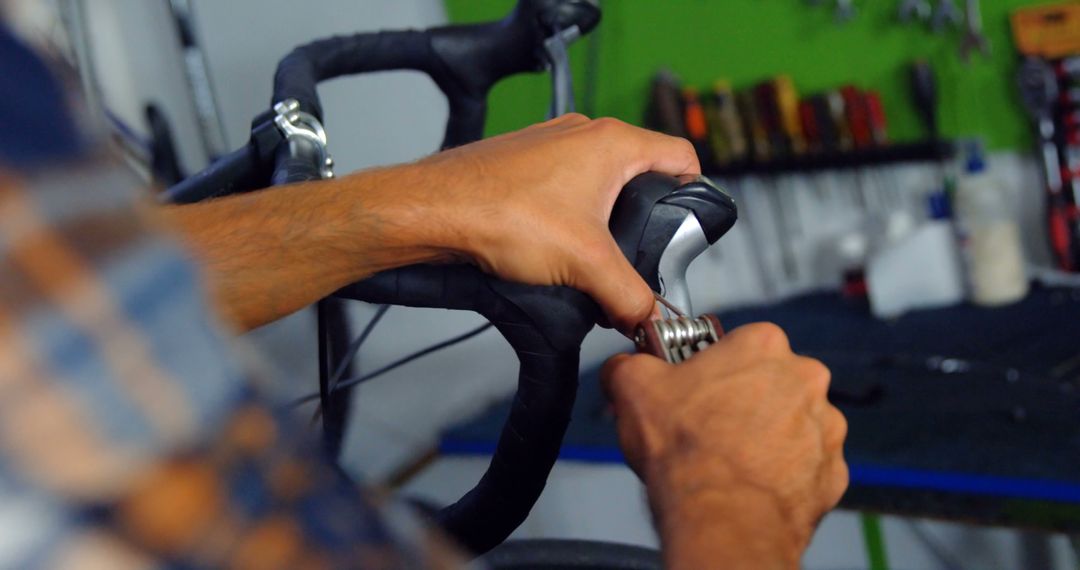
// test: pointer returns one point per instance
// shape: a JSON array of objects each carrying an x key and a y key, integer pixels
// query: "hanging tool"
[
  {"x": 810, "y": 128},
  {"x": 726, "y": 136},
  {"x": 1050, "y": 31},
  {"x": 677, "y": 339},
  {"x": 664, "y": 113},
  {"x": 760, "y": 147},
  {"x": 787, "y": 99},
  {"x": 875, "y": 111},
  {"x": 946, "y": 15},
  {"x": 918, "y": 10},
  {"x": 1039, "y": 91},
  {"x": 858, "y": 116},
  {"x": 974, "y": 39},
  {"x": 924, "y": 92},
  {"x": 697, "y": 127}
]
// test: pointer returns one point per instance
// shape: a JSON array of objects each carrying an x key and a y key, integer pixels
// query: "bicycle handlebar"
[
  {"x": 465, "y": 61},
  {"x": 545, "y": 326}
]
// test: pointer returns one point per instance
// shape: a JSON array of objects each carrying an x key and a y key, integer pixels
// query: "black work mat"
[{"x": 962, "y": 412}]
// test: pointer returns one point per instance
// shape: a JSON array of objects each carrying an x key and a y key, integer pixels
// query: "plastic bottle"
[
  {"x": 920, "y": 269},
  {"x": 991, "y": 236}
]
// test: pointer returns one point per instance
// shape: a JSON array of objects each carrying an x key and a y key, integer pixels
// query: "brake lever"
[
  {"x": 662, "y": 228},
  {"x": 558, "y": 63}
]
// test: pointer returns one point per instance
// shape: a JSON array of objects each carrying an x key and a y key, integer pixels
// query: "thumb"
[{"x": 614, "y": 284}]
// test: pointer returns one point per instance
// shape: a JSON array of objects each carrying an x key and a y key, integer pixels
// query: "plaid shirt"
[{"x": 130, "y": 436}]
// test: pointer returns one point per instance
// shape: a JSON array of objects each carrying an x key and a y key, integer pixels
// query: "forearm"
[
  {"x": 267, "y": 254},
  {"x": 705, "y": 522},
  {"x": 724, "y": 531}
]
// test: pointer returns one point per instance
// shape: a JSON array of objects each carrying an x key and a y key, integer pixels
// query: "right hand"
[{"x": 740, "y": 450}]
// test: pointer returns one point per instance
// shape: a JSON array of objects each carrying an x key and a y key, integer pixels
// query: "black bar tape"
[
  {"x": 545, "y": 327},
  {"x": 305, "y": 67},
  {"x": 221, "y": 178}
]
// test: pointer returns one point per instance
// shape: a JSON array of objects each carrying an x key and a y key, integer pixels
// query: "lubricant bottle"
[{"x": 990, "y": 234}]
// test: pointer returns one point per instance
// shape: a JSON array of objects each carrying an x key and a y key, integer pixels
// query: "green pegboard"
[{"x": 745, "y": 41}]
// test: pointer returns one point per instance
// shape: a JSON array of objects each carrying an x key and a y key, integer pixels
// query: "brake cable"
[{"x": 396, "y": 364}]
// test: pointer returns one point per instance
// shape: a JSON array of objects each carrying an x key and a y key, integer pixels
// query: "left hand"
[{"x": 533, "y": 205}]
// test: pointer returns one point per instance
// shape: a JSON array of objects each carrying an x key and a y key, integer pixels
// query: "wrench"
[
  {"x": 947, "y": 14},
  {"x": 973, "y": 40},
  {"x": 915, "y": 9}
]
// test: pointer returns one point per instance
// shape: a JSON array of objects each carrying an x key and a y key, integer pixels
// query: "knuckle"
[
  {"x": 764, "y": 338},
  {"x": 765, "y": 335},
  {"x": 839, "y": 427},
  {"x": 607, "y": 124},
  {"x": 816, "y": 374},
  {"x": 573, "y": 118},
  {"x": 682, "y": 151},
  {"x": 841, "y": 480},
  {"x": 687, "y": 149},
  {"x": 841, "y": 432}
]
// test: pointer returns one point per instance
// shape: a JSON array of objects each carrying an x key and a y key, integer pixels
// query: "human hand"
[
  {"x": 740, "y": 450},
  {"x": 533, "y": 205}
]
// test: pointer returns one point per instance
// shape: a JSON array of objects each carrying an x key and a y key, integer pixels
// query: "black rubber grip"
[
  {"x": 305, "y": 67},
  {"x": 464, "y": 61},
  {"x": 545, "y": 326},
  {"x": 221, "y": 178},
  {"x": 468, "y": 61}
]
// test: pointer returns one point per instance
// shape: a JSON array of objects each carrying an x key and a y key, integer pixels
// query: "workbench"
[{"x": 962, "y": 413}]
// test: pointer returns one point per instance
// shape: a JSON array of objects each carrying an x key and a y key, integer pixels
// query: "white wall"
[{"x": 376, "y": 119}]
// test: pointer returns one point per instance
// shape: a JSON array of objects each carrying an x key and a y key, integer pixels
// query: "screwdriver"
[{"x": 924, "y": 94}]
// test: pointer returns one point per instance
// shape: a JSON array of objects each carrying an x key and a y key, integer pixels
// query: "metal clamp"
[{"x": 292, "y": 122}]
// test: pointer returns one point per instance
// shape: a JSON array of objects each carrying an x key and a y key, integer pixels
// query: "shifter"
[{"x": 662, "y": 224}]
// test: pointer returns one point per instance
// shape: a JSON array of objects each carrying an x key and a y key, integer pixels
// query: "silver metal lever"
[
  {"x": 688, "y": 242},
  {"x": 562, "y": 79}
]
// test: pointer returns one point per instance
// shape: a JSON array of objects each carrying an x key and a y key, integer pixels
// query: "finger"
[
  {"x": 835, "y": 429},
  {"x": 817, "y": 377},
  {"x": 625, "y": 374},
  {"x": 760, "y": 337},
  {"x": 642, "y": 150},
  {"x": 838, "y": 479},
  {"x": 664, "y": 153},
  {"x": 746, "y": 345},
  {"x": 613, "y": 283},
  {"x": 655, "y": 315},
  {"x": 613, "y": 369}
]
